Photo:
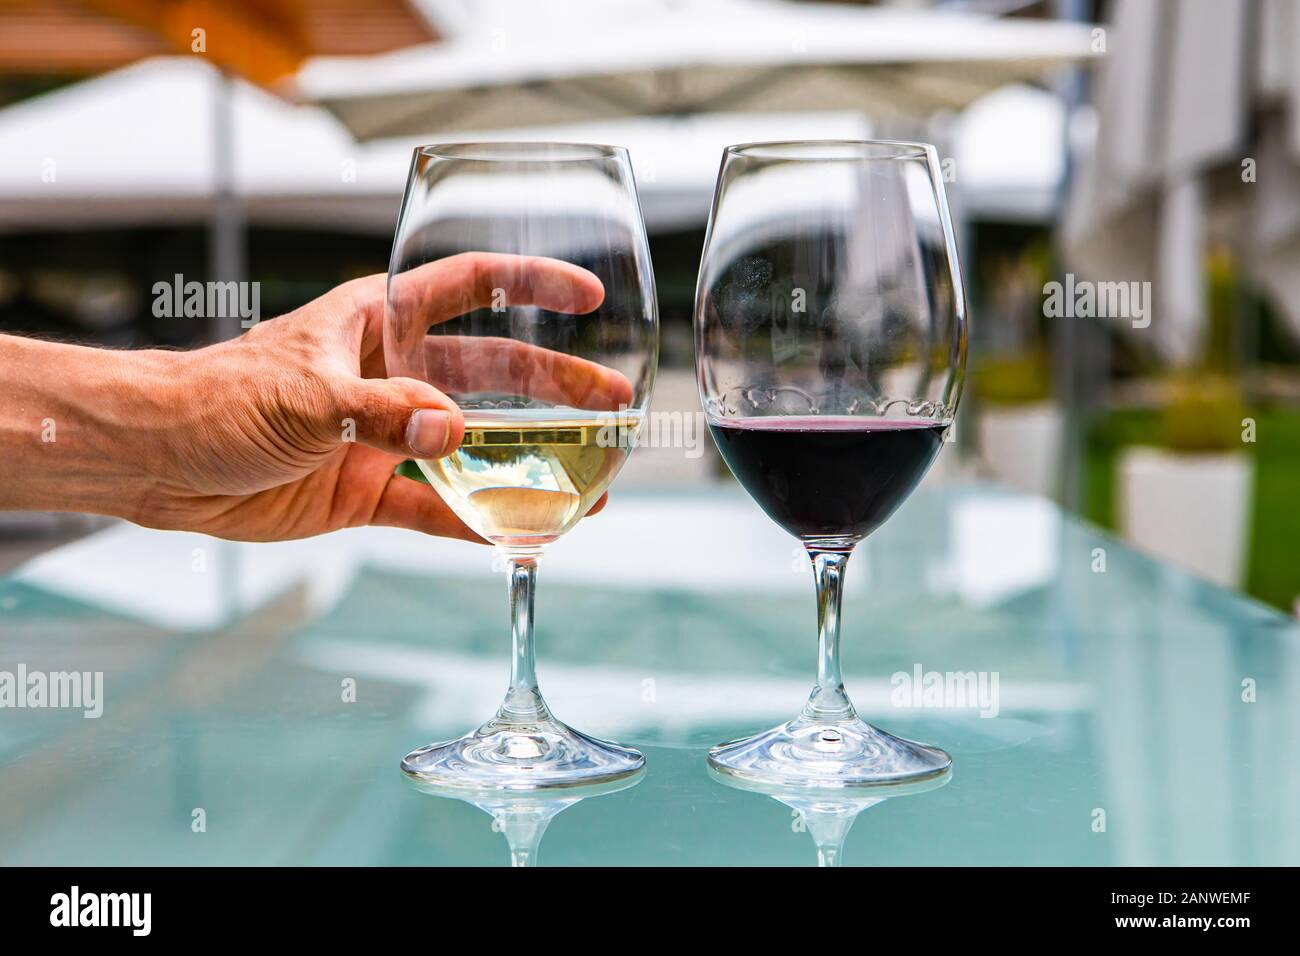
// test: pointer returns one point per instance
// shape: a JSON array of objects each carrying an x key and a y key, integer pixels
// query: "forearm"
[{"x": 82, "y": 429}]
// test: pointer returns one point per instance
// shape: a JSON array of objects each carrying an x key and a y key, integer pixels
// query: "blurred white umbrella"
[
  {"x": 1009, "y": 149},
  {"x": 1010, "y": 152},
  {"x": 133, "y": 147},
  {"x": 525, "y": 62}
]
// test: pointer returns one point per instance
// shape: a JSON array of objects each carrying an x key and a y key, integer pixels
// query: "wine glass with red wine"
[{"x": 830, "y": 340}]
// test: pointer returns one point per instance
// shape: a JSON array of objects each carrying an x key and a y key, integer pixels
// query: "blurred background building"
[{"x": 1111, "y": 147}]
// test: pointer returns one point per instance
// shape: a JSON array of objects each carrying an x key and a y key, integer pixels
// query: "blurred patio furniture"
[{"x": 1193, "y": 167}]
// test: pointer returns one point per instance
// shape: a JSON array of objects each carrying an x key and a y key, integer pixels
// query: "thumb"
[{"x": 402, "y": 416}]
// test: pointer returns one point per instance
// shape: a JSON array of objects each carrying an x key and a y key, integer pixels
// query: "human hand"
[{"x": 293, "y": 429}]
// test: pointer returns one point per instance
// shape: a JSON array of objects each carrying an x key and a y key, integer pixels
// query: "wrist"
[{"x": 85, "y": 429}]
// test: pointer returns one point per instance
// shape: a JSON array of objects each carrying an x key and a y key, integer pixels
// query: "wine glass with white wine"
[{"x": 520, "y": 285}]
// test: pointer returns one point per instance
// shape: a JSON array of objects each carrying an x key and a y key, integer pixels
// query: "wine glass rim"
[
  {"x": 521, "y": 151},
  {"x": 825, "y": 149}
]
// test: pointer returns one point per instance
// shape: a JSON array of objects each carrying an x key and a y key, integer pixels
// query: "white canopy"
[
  {"x": 133, "y": 147},
  {"x": 525, "y": 62}
]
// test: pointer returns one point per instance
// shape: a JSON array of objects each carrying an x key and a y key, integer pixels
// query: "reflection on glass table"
[
  {"x": 828, "y": 815},
  {"x": 524, "y": 815},
  {"x": 1131, "y": 716}
]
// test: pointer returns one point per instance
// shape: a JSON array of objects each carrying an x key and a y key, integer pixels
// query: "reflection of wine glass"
[
  {"x": 524, "y": 815},
  {"x": 829, "y": 814},
  {"x": 830, "y": 351},
  {"x": 520, "y": 284}
]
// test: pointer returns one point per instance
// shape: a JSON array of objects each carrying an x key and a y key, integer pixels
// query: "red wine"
[{"x": 832, "y": 477}]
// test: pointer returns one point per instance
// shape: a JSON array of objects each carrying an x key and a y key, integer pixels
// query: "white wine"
[{"x": 522, "y": 478}]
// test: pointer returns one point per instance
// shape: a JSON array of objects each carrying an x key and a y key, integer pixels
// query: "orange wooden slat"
[
  {"x": 63, "y": 36},
  {"x": 262, "y": 40}
]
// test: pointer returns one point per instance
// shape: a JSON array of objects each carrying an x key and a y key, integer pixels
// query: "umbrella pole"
[
  {"x": 226, "y": 250},
  {"x": 226, "y": 235},
  {"x": 1080, "y": 349}
]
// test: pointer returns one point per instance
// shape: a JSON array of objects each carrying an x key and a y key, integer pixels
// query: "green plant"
[
  {"x": 1014, "y": 379},
  {"x": 1223, "y": 306},
  {"x": 1204, "y": 414},
  {"x": 1204, "y": 409}
]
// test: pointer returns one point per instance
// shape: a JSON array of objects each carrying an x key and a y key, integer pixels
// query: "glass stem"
[
  {"x": 828, "y": 701},
  {"x": 523, "y": 701}
]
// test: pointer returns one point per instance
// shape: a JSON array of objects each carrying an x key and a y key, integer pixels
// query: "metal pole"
[
  {"x": 226, "y": 263},
  {"x": 1079, "y": 348},
  {"x": 226, "y": 234}
]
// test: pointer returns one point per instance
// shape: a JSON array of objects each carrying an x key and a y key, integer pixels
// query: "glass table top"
[{"x": 256, "y": 699}]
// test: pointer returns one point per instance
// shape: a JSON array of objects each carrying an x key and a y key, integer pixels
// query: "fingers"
[
  {"x": 410, "y": 504},
  {"x": 599, "y": 505},
  {"x": 441, "y": 290},
  {"x": 485, "y": 364},
  {"x": 401, "y": 416}
]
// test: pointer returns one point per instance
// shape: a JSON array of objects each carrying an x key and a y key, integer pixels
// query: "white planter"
[
  {"x": 1191, "y": 510},
  {"x": 1021, "y": 445}
]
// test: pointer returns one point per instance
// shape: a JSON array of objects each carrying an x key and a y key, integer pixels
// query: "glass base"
[
  {"x": 805, "y": 753},
  {"x": 516, "y": 755}
]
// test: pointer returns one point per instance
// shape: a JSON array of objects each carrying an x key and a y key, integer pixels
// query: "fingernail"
[{"x": 427, "y": 432}]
